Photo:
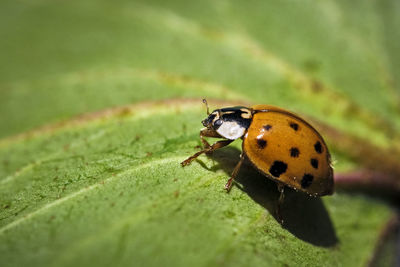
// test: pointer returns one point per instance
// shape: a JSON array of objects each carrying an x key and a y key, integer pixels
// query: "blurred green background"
[{"x": 334, "y": 62}]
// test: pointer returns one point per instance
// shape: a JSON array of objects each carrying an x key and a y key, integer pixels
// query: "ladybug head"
[{"x": 230, "y": 123}]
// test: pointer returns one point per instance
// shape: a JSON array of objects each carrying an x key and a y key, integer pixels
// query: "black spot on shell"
[
  {"x": 261, "y": 143},
  {"x": 307, "y": 180},
  {"x": 294, "y": 152},
  {"x": 318, "y": 147},
  {"x": 314, "y": 163},
  {"x": 294, "y": 126},
  {"x": 278, "y": 168},
  {"x": 267, "y": 127}
]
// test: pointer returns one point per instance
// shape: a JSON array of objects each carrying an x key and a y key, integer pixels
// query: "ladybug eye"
[{"x": 218, "y": 123}]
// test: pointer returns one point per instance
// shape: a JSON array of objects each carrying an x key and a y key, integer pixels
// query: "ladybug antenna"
[{"x": 205, "y": 102}]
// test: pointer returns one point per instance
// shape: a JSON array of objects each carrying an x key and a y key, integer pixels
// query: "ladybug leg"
[
  {"x": 216, "y": 145},
  {"x": 228, "y": 184},
  {"x": 281, "y": 189},
  {"x": 206, "y": 145},
  {"x": 209, "y": 133},
  {"x": 205, "y": 132}
]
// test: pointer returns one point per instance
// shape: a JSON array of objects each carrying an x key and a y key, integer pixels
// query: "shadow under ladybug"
[{"x": 304, "y": 216}]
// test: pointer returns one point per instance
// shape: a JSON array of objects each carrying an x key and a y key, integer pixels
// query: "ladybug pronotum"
[{"x": 280, "y": 144}]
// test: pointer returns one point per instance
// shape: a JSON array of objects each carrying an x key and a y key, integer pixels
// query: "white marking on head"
[
  {"x": 231, "y": 130},
  {"x": 246, "y": 113}
]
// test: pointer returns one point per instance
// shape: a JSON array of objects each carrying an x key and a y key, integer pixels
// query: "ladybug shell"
[{"x": 288, "y": 149}]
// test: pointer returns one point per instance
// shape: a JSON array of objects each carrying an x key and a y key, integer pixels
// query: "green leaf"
[
  {"x": 110, "y": 190},
  {"x": 106, "y": 187}
]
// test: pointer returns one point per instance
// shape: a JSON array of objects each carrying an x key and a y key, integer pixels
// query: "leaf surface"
[{"x": 98, "y": 181}]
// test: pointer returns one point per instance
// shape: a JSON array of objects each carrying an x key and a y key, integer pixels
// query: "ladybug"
[{"x": 278, "y": 143}]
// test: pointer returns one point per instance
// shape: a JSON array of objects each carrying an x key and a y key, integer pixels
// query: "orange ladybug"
[{"x": 280, "y": 144}]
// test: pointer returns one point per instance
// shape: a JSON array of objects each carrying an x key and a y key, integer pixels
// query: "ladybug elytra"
[{"x": 280, "y": 144}]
